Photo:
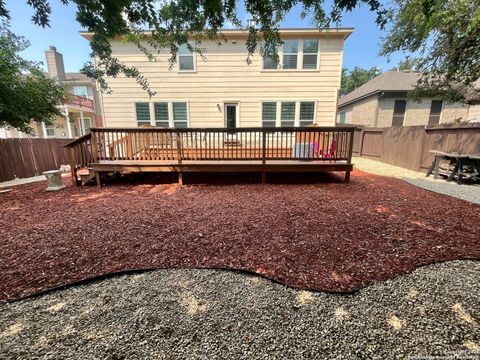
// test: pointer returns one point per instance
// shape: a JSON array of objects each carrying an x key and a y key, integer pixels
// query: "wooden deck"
[{"x": 311, "y": 149}]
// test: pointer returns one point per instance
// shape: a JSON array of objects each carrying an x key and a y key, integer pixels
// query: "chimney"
[{"x": 56, "y": 69}]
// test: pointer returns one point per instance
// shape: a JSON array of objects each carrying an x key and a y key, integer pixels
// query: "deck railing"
[{"x": 177, "y": 145}]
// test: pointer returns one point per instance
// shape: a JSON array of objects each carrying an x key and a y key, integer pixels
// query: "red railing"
[{"x": 81, "y": 102}]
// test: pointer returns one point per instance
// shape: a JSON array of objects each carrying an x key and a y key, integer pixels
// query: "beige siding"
[{"x": 223, "y": 76}]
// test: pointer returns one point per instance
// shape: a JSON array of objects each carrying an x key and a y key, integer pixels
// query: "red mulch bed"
[{"x": 325, "y": 236}]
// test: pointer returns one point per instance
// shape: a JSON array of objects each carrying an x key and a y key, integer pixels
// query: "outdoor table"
[{"x": 459, "y": 161}]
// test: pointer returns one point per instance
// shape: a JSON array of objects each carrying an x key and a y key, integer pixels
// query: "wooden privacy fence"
[
  {"x": 21, "y": 158},
  {"x": 409, "y": 146}
]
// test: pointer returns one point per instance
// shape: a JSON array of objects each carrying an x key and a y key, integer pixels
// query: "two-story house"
[
  {"x": 82, "y": 111},
  {"x": 219, "y": 89}
]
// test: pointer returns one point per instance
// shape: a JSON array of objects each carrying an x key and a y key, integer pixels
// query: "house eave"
[{"x": 313, "y": 32}]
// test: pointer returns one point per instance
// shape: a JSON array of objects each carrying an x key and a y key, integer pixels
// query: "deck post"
[
  {"x": 264, "y": 177},
  {"x": 347, "y": 176},
  {"x": 180, "y": 178},
  {"x": 73, "y": 164},
  {"x": 264, "y": 146},
  {"x": 98, "y": 178}
]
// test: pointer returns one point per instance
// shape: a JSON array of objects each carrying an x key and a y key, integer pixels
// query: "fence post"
[
  {"x": 362, "y": 136},
  {"x": 350, "y": 145}
]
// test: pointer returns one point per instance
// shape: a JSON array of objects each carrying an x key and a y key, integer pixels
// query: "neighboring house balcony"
[{"x": 81, "y": 102}]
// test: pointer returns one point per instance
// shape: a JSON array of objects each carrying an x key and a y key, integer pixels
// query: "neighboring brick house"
[
  {"x": 383, "y": 102},
  {"x": 83, "y": 109}
]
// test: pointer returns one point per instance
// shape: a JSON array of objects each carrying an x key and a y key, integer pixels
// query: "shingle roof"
[
  {"x": 77, "y": 76},
  {"x": 388, "y": 81}
]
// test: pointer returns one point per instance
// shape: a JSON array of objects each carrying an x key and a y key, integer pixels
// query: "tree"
[
  {"x": 357, "y": 77},
  {"x": 409, "y": 64},
  {"x": 170, "y": 24},
  {"x": 26, "y": 94},
  {"x": 446, "y": 35}
]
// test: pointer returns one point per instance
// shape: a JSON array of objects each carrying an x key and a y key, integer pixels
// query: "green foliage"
[
  {"x": 446, "y": 35},
  {"x": 26, "y": 94},
  {"x": 357, "y": 77},
  {"x": 171, "y": 23},
  {"x": 409, "y": 64}
]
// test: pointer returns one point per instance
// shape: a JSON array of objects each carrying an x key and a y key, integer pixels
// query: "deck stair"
[{"x": 86, "y": 175}]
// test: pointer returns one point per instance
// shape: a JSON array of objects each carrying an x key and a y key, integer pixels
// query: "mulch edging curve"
[{"x": 330, "y": 237}]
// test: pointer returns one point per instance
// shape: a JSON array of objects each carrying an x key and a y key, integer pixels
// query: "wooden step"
[{"x": 86, "y": 177}]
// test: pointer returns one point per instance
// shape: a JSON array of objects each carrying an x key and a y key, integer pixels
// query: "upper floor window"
[
  {"x": 269, "y": 113},
  {"x": 290, "y": 54},
  {"x": 186, "y": 58},
  {"x": 299, "y": 54},
  {"x": 435, "y": 112},
  {"x": 142, "y": 113},
  {"x": 310, "y": 53},
  {"x": 161, "y": 114},
  {"x": 80, "y": 91},
  {"x": 180, "y": 115},
  {"x": 307, "y": 113},
  {"x": 399, "y": 112}
]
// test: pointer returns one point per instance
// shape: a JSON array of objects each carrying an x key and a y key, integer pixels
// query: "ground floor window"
[
  {"x": 162, "y": 114},
  {"x": 269, "y": 114},
  {"x": 180, "y": 115},
  {"x": 343, "y": 117},
  {"x": 287, "y": 113},
  {"x": 50, "y": 129},
  {"x": 307, "y": 113},
  {"x": 143, "y": 113}
]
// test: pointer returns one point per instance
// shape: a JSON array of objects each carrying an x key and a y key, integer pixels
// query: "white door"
[{"x": 85, "y": 125}]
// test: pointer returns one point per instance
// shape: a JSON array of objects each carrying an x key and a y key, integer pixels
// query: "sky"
[{"x": 361, "y": 48}]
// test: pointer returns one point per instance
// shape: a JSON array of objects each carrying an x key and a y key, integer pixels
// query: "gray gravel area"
[
  {"x": 468, "y": 192},
  {"x": 215, "y": 314}
]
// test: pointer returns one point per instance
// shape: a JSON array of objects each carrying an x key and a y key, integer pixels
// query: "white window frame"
[
  {"x": 170, "y": 112},
  {"x": 276, "y": 111},
  {"x": 318, "y": 55},
  {"x": 81, "y": 86},
  {"x": 135, "y": 101},
  {"x": 299, "y": 46},
  {"x": 194, "y": 57},
  {"x": 314, "y": 120},
  {"x": 82, "y": 124},
  {"x": 49, "y": 127},
  {"x": 152, "y": 112},
  {"x": 299, "y": 58},
  {"x": 278, "y": 120},
  {"x": 151, "y": 108}
]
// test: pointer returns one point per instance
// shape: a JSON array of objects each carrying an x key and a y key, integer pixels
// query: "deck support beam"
[
  {"x": 98, "y": 178},
  {"x": 264, "y": 177},
  {"x": 347, "y": 176},
  {"x": 180, "y": 178}
]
